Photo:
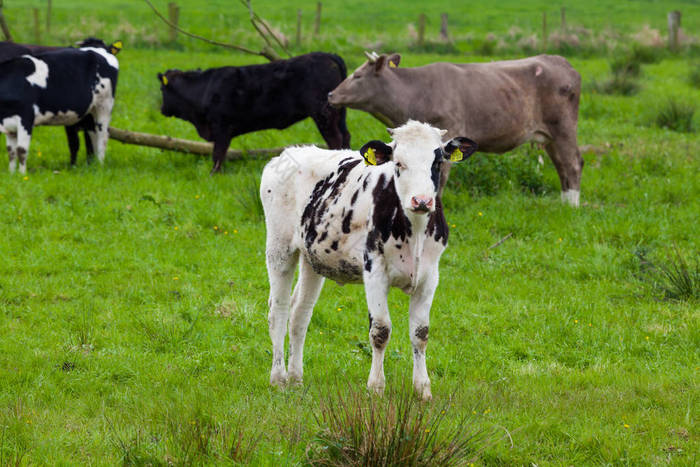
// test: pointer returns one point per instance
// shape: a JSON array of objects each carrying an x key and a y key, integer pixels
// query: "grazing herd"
[{"x": 373, "y": 217}]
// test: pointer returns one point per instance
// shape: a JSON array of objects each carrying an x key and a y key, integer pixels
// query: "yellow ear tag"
[
  {"x": 118, "y": 45},
  {"x": 392, "y": 64},
  {"x": 370, "y": 157},
  {"x": 164, "y": 79},
  {"x": 456, "y": 155}
]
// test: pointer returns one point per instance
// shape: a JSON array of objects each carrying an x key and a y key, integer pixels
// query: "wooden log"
[
  {"x": 185, "y": 145},
  {"x": 3, "y": 25},
  {"x": 421, "y": 30},
  {"x": 674, "y": 24}
]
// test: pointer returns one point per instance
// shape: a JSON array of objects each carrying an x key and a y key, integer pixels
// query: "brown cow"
[{"x": 500, "y": 105}]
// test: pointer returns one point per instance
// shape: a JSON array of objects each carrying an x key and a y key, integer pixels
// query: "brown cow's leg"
[{"x": 564, "y": 152}]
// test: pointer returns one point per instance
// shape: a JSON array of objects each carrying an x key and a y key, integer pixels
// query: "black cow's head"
[{"x": 174, "y": 105}]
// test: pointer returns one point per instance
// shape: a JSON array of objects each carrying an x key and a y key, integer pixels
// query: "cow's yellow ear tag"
[
  {"x": 370, "y": 157},
  {"x": 118, "y": 45},
  {"x": 164, "y": 79},
  {"x": 456, "y": 155},
  {"x": 392, "y": 64}
]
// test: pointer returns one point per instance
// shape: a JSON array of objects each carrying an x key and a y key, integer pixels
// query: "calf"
[
  {"x": 500, "y": 104},
  {"x": 226, "y": 102},
  {"x": 9, "y": 50},
  {"x": 58, "y": 87},
  {"x": 379, "y": 223}
]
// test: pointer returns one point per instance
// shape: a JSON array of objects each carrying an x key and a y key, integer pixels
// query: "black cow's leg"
[
  {"x": 73, "y": 142},
  {"x": 219, "y": 155},
  {"x": 328, "y": 124},
  {"x": 344, "y": 128}
]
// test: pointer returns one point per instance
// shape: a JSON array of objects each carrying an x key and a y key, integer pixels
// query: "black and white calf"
[
  {"x": 377, "y": 220},
  {"x": 59, "y": 87}
]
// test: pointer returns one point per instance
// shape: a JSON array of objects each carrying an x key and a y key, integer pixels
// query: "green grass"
[{"x": 133, "y": 317}]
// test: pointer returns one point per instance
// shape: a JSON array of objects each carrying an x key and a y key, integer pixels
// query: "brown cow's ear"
[
  {"x": 394, "y": 60},
  {"x": 379, "y": 64},
  {"x": 376, "y": 152},
  {"x": 459, "y": 148}
]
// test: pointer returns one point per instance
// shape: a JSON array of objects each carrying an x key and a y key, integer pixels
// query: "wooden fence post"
[
  {"x": 48, "y": 16},
  {"x": 298, "y": 27},
  {"x": 3, "y": 25},
  {"x": 317, "y": 24},
  {"x": 544, "y": 31},
  {"x": 37, "y": 26},
  {"x": 674, "y": 24},
  {"x": 174, "y": 16},
  {"x": 421, "y": 29},
  {"x": 563, "y": 19},
  {"x": 444, "y": 33}
]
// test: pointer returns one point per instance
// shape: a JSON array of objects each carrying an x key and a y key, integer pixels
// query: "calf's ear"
[
  {"x": 376, "y": 152},
  {"x": 459, "y": 148},
  {"x": 115, "y": 47},
  {"x": 163, "y": 79}
]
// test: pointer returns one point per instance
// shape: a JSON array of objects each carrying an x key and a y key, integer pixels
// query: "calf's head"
[
  {"x": 416, "y": 155},
  {"x": 170, "y": 87},
  {"x": 365, "y": 84}
]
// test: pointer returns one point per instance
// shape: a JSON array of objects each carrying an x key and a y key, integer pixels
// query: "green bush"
[{"x": 694, "y": 76}]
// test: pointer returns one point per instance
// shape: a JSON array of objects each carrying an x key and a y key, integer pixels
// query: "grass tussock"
[
  {"x": 676, "y": 115},
  {"x": 694, "y": 76},
  {"x": 674, "y": 279},
  {"x": 248, "y": 198},
  {"x": 393, "y": 430}
]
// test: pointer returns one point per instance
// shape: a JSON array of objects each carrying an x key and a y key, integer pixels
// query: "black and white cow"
[
  {"x": 229, "y": 101},
  {"x": 65, "y": 86},
  {"x": 377, "y": 220}
]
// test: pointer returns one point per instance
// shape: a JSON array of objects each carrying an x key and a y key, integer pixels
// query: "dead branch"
[
  {"x": 267, "y": 52},
  {"x": 184, "y": 145}
]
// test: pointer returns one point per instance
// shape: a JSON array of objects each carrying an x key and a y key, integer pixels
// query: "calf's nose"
[{"x": 421, "y": 203}]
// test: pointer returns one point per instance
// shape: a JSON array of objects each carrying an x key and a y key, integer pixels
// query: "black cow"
[
  {"x": 226, "y": 102},
  {"x": 9, "y": 50},
  {"x": 64, "y": 86}
]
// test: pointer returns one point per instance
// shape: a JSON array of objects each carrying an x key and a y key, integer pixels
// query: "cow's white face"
[{"x": 416, "y": 154}]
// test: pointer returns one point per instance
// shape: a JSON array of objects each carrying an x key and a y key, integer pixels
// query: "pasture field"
[{"x": 133, "y": 316}]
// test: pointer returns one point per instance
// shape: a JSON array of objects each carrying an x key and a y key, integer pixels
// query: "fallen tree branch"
[
  {"x": 498, "y": 243},
  {"x": 267, "y": 52},
  {"x": 184, "y": 145}
]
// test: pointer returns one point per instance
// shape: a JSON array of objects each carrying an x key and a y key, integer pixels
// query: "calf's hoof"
[
  {"x": 376, "y": 387},
  {"x": 278, "y": 379},
  {"x": 295, "y": 379},
  {"x": 423, "y": 391}
]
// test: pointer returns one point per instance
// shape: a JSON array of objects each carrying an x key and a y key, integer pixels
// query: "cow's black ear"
[
  {"x": 163, "y": 79},
  {"x": 115, "y": 47},
  {"x": 459, "y": 148},
  {"x": 376, "y": 152}
]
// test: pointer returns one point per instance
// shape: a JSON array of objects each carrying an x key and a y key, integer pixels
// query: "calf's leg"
[
  {"x": 376, "y": 291},
  {"x": 304, "y": 298},
  {"x": 221, "y": 145},
  {"x": 280, "y": 271},
  {"x": 418, "y": 327},
  {"x": 11, "y": 142}
]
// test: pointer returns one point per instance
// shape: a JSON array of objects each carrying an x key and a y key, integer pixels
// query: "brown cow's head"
[{"x": 360, "y": 88}]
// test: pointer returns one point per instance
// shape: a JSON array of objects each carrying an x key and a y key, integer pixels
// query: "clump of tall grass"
[
  {"x": 623, "y": 85},
  {"x": 675, "y": 279},
  {"x": 676, "y": 115},
  {"x": 694, "y": 76},
  {"x": 248, "y": 198},
  {"x": 393, "y": 430}
]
